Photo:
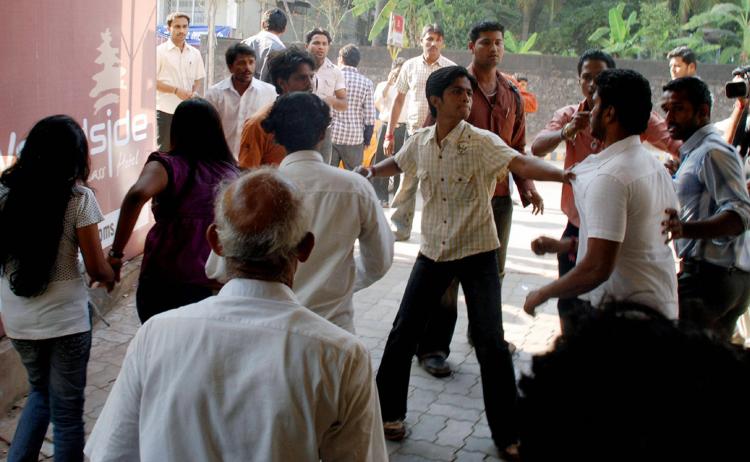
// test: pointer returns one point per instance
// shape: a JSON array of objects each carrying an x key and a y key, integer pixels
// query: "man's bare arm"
[
  {"x": 595, "y": 268},
  {"x": 338, "y": 100}
]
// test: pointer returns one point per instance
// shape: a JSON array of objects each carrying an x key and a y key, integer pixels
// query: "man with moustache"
[
  {"x": 570, "y": 124},
  {"x": 621, "y": 194},
  {"x": 411, "y": 93},
  {"x": 710, "y": 230},
  {"x": 179, "y": 73},
  {"x": 240, "y": 95}
]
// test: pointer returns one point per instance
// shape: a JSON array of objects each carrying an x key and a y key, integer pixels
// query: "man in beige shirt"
[{"x": 458, "y": 166}]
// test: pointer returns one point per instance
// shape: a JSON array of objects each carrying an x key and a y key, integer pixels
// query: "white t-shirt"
[
  {"x": 62, "y": 309},
  {"x": 621, "y": 194}
]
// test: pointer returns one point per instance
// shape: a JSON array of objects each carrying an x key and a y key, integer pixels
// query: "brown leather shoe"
[{"x": 395, "y": 430}]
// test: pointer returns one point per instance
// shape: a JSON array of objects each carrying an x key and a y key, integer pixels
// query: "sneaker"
[
  {"x": 395, "y": 430},
  {"x": 436, "y": 366}
]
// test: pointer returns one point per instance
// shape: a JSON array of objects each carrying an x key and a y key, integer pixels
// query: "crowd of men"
[{"x": 269, "y": 368}]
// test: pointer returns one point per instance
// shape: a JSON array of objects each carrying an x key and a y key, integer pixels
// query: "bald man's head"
[{"x": 260, "y": 220}]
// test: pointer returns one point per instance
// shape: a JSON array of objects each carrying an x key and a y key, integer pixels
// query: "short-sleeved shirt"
[
  {"x": 348, "y": 126},
  {"x": 384, "y": 102},
  {"x": 328, "y": 79},
  {"x": 584, "y": 144},
  {"x": 62, "y": 309},
  {"x": 178, "y": 68},
  {"x": 257, "y": 146},
  {"x": 621, "y": 194},
  {"x": 458, "y": 181},
  {"x": 711, "y": 181},
  {"x": 235, "y": 109},
  {"x": 411, "y": 82}
]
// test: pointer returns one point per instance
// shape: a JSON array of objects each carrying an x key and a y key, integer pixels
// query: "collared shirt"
[
  {"x": 328, "y": 79},
  {"x": 344, "y": 210},
  {"x": 257, "y": 146},
  {"x": 502, "y": 115},
  {"x": 348, "y": 126},
  {"x": 179, "y": 68},
  {"x": 457, "y": 180},
  {"x": 584, "y": 144},
  {"x": 384, "y": 102},
  {"x": 621, "y": 194},
  {"x": 234, "y": 108},
  {"x": 411, "y": 82},
  {"x": 711, "y": 181},
  {"x": 249, "y": 374},
  {"x": 264, "y": 43}
]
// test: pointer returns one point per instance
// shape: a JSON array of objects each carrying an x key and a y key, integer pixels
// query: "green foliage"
[
  {"x": 733, "y": 22},
  {"x": 619, "y": 38},
  {"x": 658, "y": 28},
  {"x": 520, "y": 47}
]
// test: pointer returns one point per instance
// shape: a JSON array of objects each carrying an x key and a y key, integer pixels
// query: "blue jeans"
[
  {"x": 57, "y": 376},
  {"x": 481, "y": 284}
]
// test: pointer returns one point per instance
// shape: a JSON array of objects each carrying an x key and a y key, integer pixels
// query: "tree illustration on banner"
[{"x": 110, "y": 80}]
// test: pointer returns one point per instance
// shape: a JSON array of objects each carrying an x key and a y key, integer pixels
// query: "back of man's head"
[
  {"x": 629, "y": 385},
  {"x": 260, "y": 222},
  {"x": 350, "y": 55},
  {"x": 630, "y": 94},
  {"x": 274, "y": 20}
]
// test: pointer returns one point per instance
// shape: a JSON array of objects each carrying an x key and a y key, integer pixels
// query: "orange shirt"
[{"x": 257, "y": 147}]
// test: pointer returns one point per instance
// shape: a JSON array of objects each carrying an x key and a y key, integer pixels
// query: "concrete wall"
[{"x": 553, "y": 79}]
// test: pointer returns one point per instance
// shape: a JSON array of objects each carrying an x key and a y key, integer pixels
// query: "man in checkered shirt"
[{"x": 352, "y": 129}]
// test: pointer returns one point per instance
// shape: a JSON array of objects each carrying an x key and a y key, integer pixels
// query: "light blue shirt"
[{"x": 710, "y": 181}]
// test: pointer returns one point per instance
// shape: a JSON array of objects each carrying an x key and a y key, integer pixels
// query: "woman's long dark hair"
[
  {"x": 53, "y": 160},
  {"x": 197, "y": 133}
]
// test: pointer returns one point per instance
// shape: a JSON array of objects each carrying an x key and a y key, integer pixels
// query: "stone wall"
[{"x": 553, "y": 79}]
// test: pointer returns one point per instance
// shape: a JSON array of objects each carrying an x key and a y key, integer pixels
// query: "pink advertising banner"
[{"x": 95, "y": 61}]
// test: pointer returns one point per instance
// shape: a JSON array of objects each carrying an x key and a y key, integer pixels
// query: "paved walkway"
[{"x": 446, "y": 416}]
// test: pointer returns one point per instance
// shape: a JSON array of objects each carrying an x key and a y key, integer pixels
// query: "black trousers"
[
  {"x": 163, "y": 127},
  {"x": 481, "y": 285},
  {"x": 569, "y": 309}
]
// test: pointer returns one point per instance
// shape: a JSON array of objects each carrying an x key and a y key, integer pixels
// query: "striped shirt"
[
  {"x": 411, "y": 82},
  {"x": 458, "y": 181},
  {"x": 348, "y": 125}
]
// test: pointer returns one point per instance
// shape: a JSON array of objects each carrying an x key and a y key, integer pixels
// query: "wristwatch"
[{"x": 115, "y": 254}]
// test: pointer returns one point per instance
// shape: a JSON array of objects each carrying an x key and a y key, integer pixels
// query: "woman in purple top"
[{"x": 182, "y": 184}]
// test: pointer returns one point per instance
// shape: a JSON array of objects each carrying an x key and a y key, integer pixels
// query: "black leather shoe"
[{"x": 436, "y": 366}]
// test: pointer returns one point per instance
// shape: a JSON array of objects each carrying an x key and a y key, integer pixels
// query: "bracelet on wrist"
[
  {"x": 116, "y": 254},
  {"x": 389, "y": 137},
  {"x": 175, "y": 90}
]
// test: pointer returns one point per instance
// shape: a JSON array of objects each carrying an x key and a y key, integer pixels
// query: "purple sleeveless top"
[{"x": 176, "y": 248}]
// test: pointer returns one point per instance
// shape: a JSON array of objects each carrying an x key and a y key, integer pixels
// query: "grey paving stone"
[
  {"x": 421, "y": 400},
  {"x": 454, "y": 412},
  {"x": 408, "y": 458},
  {"x": 460, "y": 401},
  {"x": 427, "y": 428},
  {"x": 483, "y": 445},
  {"x": 460, "y": 383},
  {"x": 454, "y": 433},
  {"x": 428, "y": 383},
  {"x": 481, "y": 430},
  {"x": 467, "y": 456},
  {"x": 427, "y": 450}
]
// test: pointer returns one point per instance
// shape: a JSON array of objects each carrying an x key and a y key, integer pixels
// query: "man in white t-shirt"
[
  {"x": 179, "y": 73},
  {"x": 621, "y": 194},
  {"x": 330, "y": 85},
  {"x": 240, "y": 95}
]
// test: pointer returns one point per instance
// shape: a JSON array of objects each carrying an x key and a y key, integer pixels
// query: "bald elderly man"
[{"x": 249, "y": 374}]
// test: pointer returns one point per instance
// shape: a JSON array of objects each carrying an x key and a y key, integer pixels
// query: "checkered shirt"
[
  {"x": 457, "y": 184},
  {"x": 348, "y": 125},
  {"x": 411, "y": 81}
]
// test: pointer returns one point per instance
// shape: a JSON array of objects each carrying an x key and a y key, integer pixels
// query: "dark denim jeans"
[
  {"x": 57, "y": 375},
  {"x": 439, "y": 332},
  {"x": 427, "y": 283},
  {"x": 568, "y": 308},
  {"x": 712, "y": 297}
]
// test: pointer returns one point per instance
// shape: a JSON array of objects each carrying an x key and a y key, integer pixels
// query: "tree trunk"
[{"x": 382, "y": 37}]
